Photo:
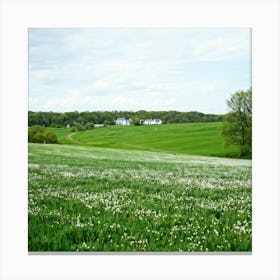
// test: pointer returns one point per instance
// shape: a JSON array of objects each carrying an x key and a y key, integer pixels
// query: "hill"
[{"x": 190, "y": 138}]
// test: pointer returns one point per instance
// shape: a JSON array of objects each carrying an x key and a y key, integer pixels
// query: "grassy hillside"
[
  {"x": 60, "y": 132},
  {"x": 99, "y": 199},
  {"x": 190, "y": 138}
]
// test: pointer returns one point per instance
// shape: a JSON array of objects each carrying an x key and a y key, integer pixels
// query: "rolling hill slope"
[{"x": 190, "y": 138}]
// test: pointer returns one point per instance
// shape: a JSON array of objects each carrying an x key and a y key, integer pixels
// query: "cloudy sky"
[{"x": 96, "y": 69}]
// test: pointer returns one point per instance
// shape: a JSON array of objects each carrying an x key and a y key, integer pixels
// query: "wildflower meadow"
[{"x": 112, "y": 200}]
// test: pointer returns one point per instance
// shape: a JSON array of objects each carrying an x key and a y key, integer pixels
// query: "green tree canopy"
[
  {"x": 237, "y": 126},
  {"x": 55, "y": 119},
  {"x": 37, "y": 134}
]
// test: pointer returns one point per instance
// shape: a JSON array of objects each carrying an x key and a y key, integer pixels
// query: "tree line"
[
  {"x": 236, "y": 127},
  {"x": 87, "y": 119}
]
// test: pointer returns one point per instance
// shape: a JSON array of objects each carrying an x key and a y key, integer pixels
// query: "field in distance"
[{"x": 189, "y": 138}]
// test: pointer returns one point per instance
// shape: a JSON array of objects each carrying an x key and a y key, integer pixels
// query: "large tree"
[
  {"x": 237, "y": 125},
  {"x": 38, "y": 134}
]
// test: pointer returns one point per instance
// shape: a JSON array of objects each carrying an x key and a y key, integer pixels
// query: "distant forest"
[{"x": 87, "y": 118}]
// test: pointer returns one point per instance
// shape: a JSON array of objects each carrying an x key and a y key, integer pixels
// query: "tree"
[
  {"x": 237, "y": 126},
  {"x": 136, "y": 121},
  {"x": 37, "y": 134},
  {"x": 80, "y": 127},
  {"x": 89, "y": 125},
  {"x": 50, "y": 137},
  {"x": 106, "y": 123}
]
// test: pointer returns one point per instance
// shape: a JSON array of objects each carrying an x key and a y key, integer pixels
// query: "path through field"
[{"x": 70, "y": 135}]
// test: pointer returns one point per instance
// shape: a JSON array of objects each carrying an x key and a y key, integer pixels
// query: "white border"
[{"x": 262, "y": 16}]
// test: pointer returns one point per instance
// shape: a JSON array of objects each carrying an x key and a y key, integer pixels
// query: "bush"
[
  {"x": 80, "y": 127},
  {"x": 37, "y": 134},
  {"x": 89, "y": 125},
  {"x": 50, "y": 137}
]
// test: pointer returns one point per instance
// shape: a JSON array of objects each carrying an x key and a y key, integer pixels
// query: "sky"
[{"x": 107, "y": 69}]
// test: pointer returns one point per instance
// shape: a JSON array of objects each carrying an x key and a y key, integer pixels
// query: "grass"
[
  {"x": 190, "y": 138},
  {"x": 60, "y": 132},
  {"x": 100, "y": 199}
]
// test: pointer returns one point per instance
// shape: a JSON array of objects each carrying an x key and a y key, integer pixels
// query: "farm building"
[
  {"x": 123, "y": 121},
  {"x": 152, "y": 121},
  {"x": 97, "y": 125}
]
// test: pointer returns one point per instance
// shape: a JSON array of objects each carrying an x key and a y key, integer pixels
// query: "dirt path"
[{"x": 69, "y": 137}]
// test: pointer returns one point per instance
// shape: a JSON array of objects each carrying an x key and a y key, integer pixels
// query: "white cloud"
[
  {"x": 219, "y": 48},
  {"x": 33, "y": 102},
  {"x": 42, "y": 75},
  {"x": 99, "y": 85},
  {"x": 141, "y": 68}
]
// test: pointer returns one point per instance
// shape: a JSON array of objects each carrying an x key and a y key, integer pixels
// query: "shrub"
[
  {"x": 50, "y": 137},
  {"x": 37, "y": 134},
  {"x": 89, "y": 125}
]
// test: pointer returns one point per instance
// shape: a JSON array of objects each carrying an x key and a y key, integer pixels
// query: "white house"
[
  {"x": 152, "y": 121},
  {"x": 98, "y": 125},
  {"x": 123, "y": 121}
]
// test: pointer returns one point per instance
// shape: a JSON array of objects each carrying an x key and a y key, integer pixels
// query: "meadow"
[
  {"x": 188, "y": 138},
  {"x": 86, "y": 198},
  {"x": 61, "y": 133}
]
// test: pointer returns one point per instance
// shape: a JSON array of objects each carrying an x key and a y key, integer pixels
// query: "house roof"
[{"x": 153, "y": 120}]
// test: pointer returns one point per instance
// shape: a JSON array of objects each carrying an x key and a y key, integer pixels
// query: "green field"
[
  {"x": 145, "y": 188},
  {"x": 98, "y": 199},
  {"x": 190, "y": 138},
  {"x": 60, "y": 132}
]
